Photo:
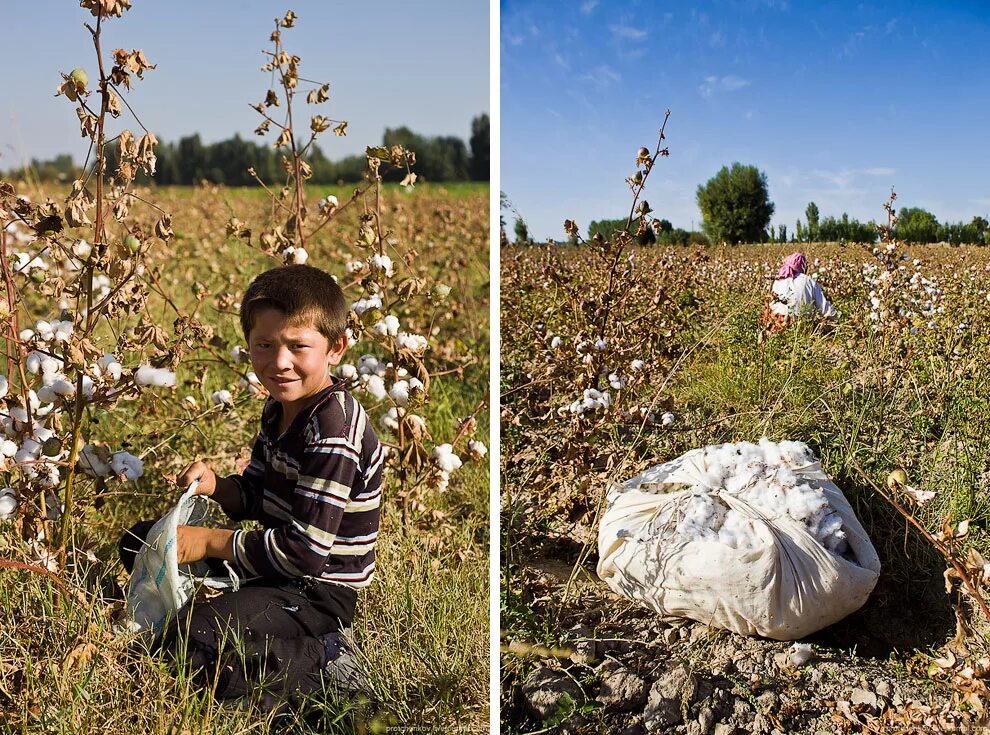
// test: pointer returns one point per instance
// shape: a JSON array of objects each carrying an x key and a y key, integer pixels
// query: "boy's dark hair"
[{"x": 306, "y": 295}]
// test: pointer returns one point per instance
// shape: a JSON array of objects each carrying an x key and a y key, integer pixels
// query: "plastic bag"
[
  {"x": 783, "y": 583},
  {"x": 159, "y": 584}
]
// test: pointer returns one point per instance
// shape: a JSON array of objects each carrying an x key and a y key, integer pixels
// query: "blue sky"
[
  {"x": 835, "y": 101},
  {"x": 389, "y": 62}
]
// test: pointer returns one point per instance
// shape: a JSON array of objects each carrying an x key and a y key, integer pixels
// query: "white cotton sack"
[
  {"x": 711, "y": 536},
  {"x": 159, "y": 586}
]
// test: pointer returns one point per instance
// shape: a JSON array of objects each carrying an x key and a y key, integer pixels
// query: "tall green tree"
[
  {"x": 522, "y": 231},
  {"x": 480, "y": 169},
  {"x": 916, "y": 225},
  {"x": 735, "y": 205},
  {"x": 812, "y": 215},
  {"x": 607, "y": 228}
]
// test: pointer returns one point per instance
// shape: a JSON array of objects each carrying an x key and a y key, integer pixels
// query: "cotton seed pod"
[
  {"x": 51, "y": 447},
  {"x": 896, "y": 479},
  {"x": 132, "y": 243},
  {"x": 79, "y": 77}
]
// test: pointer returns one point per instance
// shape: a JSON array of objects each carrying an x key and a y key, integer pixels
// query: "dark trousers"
[{"x": 262, "y": 641}]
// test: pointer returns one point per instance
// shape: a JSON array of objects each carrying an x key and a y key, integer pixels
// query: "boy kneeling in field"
[{"x": 314, "y": 483}]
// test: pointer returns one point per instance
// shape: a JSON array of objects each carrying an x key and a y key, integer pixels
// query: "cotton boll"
[
  {"x": 445, "y": 459},
  {"x": 355, "y": 266},
  {"x": 390, "y": 419},
  {"x": 26, "y": 335},
  {"x": 667, "y": 419},
  {"x": 63, "y": 387},
  {"x": 800, "y": 654},
  {"x": 126, "y": 464},
  {"x": 239, "y": 354},
  {"x": 299, "y": 256},
  {"x": 415, "y": 343},
  {"x": 158, "y": 377},
  {"x": 4, "y": 385},
  {"x": 637, "y": 365},
  {"x": 222, "y": 397},
  {"x": 51, "y": 365},
  {"x": 47, "y": 394},
  {"x": 391, "y": 324},
  {"x": 28, "y": 453},
  {"x": 48, "y": 476},
  {"x": 381, "y": 263},
  {"x": 399, "y": 393},
  {"x": 44, "y": 330},
  {"x": 375, "y": 386},
  {"x": 346, "y": 371},
  {"x": 477, "y": 450},
  {"x": 252, "y": 383},
  {"x": 32, "y": 363},
  {"x": 8, "y": 448},
  {"x": 616, "y": 381},
  {"x": 368, "y": 365},
  {"x": 367, "y": 304},
  {"x": 8, "y": 503},
  {"x": 82, "y": 249},
  {"x": 555, "y": 342},
  {"x": 62, "y": 331}
]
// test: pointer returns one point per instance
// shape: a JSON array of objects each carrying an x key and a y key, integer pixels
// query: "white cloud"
[
  {"x": 839, "y": 179},
  {"x": 842, "y": 179},
  {"x": 712, "y": 84},
  {"x": 601, "y": 76},
  {"x": 588, "y": 6},
  {"x": 627, "y": 32}
]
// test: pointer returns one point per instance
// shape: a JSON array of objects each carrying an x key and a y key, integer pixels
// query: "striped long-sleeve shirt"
[{"x": 316, "y": 490}]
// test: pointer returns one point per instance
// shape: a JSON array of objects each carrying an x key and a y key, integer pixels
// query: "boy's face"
[{"x": 292, "y": 361}]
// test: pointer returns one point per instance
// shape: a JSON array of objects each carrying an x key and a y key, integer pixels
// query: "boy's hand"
[
  {"x": 195, "y": 543},
  {"x": 199, "y": 471}
]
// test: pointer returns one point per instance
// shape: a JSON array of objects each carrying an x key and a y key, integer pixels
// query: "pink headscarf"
[{"x": 793, "y": 265}]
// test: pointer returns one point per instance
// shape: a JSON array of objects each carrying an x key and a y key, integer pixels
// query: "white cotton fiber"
[
  {"x": 765, "y": 476},
  {"x": 126, "y": 464},
  {"x": 375, "y": 385},
  {"x": 159, "y": 377}
]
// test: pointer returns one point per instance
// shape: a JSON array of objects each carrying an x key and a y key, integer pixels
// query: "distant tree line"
[
  {"x": 914, "y": 225},
  {"x": 438, "y": 158}
]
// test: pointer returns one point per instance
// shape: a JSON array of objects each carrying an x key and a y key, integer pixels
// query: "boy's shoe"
[{"x": 342, "y": 666}]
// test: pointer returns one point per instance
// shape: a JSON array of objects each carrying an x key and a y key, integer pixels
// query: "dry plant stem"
[
  {"x": 39, "y": 570},
  {"x": 942, "y": 548},
  {"x": 297, "y": 179},
  {"x": 642, "y": 185},
  {"x": 100, "y": 239}
]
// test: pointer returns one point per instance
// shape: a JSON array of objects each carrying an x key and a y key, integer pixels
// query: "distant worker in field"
[{"x": 793, "y": 294}]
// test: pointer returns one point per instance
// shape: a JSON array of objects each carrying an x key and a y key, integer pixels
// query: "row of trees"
[
  {"x": 438, "y": 158},
  {"x": 735, "y": 206}
]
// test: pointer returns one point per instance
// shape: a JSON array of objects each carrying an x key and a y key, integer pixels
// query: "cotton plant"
[
  {"x": 395, "y": 364},
  {"x": 84, "y": 256}
]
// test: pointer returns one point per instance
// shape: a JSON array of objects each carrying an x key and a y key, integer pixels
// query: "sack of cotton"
[
  {"x": 753, "y": 538},
  {"x": 159, "y": 584}
]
